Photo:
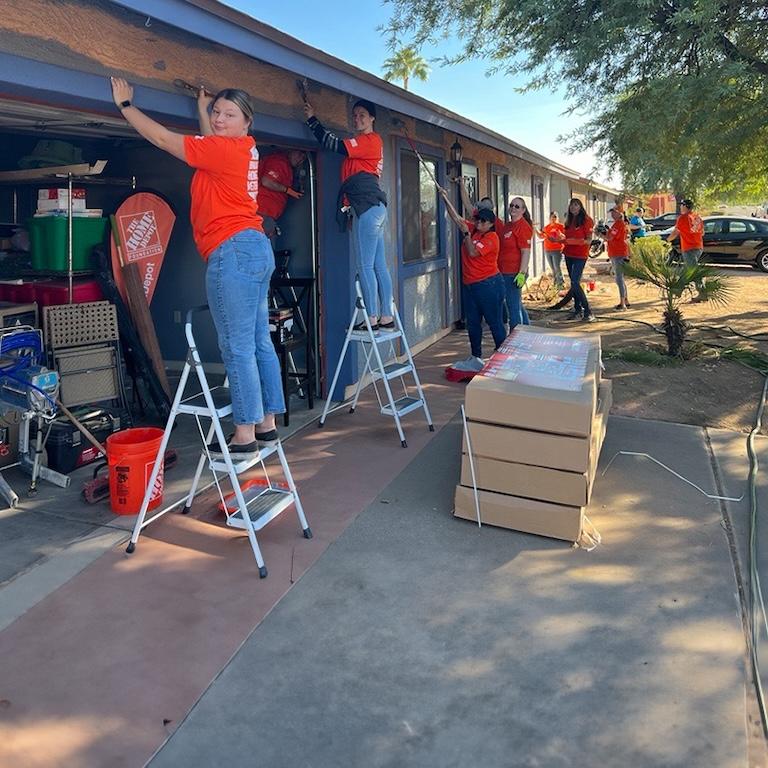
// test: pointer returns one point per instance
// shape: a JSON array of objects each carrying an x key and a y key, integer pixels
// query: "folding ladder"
[
  {"x": 250, "y": 510},
  {"x": 379, "y": 370}
]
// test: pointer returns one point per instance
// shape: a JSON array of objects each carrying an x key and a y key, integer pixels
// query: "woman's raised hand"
[
  {"x": 121, "y": 90},
  {"x": 309, "y": 110},
  {"x": 204, "y": 99}
]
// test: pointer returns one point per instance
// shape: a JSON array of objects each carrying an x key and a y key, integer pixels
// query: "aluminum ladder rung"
[
  {"x": 243, "y": 465},
  {"x": 393, "y": 371},
  {"x": 378, "y": 336},
  {"x": 403, "y": 405},
  {"x": 262, "y": 509},
  {"x": 196, "y": 405}
]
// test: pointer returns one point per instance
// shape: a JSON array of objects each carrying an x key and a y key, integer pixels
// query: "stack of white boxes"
[
  {"x": 53, "y": 201},
  {"x": 537, "y": 416}
]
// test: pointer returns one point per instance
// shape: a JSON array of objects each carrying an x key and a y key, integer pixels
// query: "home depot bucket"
[{"x": 131, "y": 456}]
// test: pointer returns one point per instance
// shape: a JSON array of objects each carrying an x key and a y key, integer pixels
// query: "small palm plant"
[{"x": 651, "y": 263}]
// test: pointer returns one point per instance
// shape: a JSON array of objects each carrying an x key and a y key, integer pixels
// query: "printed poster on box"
[{"x": 145, "y": 222}]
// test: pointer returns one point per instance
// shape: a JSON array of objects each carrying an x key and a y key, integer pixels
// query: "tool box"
[{"x": 68, "y": 449}]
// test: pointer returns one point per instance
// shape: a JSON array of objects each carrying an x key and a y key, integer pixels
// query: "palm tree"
[
  {"x": 651, "y": 263},
  {"x": 404, "y": 64}
]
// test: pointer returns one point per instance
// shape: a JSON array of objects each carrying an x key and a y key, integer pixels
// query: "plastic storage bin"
[
  {"x": 57, "y": 292},
  {"x": 48, "y": 237}
]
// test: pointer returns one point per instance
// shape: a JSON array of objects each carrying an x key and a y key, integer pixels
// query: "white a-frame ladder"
[
  {"x": 250, "y": 509},
  {"x": 382, "y": 368}
]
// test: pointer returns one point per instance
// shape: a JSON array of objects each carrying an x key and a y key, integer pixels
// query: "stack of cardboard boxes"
[{"x": 537, "y": 416}]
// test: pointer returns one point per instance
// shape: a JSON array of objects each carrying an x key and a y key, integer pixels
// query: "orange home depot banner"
[{"x": 145, "y": 221}]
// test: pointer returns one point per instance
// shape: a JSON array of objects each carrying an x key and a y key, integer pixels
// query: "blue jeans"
[
  {"x": 513, "y": 296},
  {"x": 237, "y": 283},
  {"x": 575, "y": 269},
  {"x": 553, "y": 259},
  {"x": 368, "y": 245},
  {"x": 484, "y": 299},
  {"x": 691, "y": 259},
  {"x": 618, "y": 276}
]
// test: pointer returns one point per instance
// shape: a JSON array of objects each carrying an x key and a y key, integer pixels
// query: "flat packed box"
[
  {"x": 539, "y": 380},
  {"x": 60, "y": 193},
  {"x": 543, "y": 518},
  {"x": 60, "y": 204},
  {"x": 543, "y": 483}
]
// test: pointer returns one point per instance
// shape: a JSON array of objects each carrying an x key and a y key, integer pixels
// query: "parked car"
[
  {"x": 665, "y": 221},
  {"x": 734, "y": 240}
]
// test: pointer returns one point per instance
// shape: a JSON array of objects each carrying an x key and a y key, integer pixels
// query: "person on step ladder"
[
  {"x": 229, "y": 235},
  {"x": 362, "y": 198}
]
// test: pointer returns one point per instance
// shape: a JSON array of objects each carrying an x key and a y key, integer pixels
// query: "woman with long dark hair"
[
  {"x": 361, "y": 196},
  {"x": 229, "y": 235},
  {"x": 514, "y": 255},
  {"x": 578, "y": 237}
]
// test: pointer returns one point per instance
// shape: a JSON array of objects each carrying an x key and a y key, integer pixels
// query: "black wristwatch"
[{"x": 124, "y": 104}]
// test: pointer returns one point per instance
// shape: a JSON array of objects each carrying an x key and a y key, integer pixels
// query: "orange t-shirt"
[
  {"x": 552, "y": 230},
  {"x": 278, "y": 167},
  {"x": 618, "y": 247},
  {"x": 584, "y": 232},
  {"x": 691, "y": 229},
  {"x": 224, "y": 188},
  {"x": 366, "y": 155},
  {"x": 485, "y": 264},
  {"x": 516, "y": 237}
]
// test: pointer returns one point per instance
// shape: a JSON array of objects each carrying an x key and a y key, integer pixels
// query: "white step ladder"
[
  {"x": 379, "y": 370},
  {"x": 249, "y": 510}
]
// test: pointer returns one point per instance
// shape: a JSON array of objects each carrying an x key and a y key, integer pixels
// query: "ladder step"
[
  {"x": 393, "y": 371},
  {"x": 262, "y": 508},
  {"x": 242, "y": 465},
  {"x": 403, "y": 405},
  {"x": 378, "y": 336},
  {"x": 196, "y": 405}
]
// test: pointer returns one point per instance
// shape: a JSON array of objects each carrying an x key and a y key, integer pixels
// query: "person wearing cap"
[
  {"x": 514, "y": 255},
  {"x": 690, "y": 229},
  {"x": 553, "y": 235},
  {"x": 637, "y": 224},
  {"x": 618, "y": 252},
  {"x": 362, "y": 198},
  {"x": 276, "y": 185},
  {"x": 230, "y": 237},
  {"x": 483, "y": 285}
]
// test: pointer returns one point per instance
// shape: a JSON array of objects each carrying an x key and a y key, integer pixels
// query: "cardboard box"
[
  {"x": 539, "y": 380},
  {"x": 543, "y": 483},
  {"x": 60, "y": 193},
  {"x": 44, "y": 206},
  {"x": 543, "y": 518}
]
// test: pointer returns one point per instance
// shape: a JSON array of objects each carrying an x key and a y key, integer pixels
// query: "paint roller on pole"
[{"x": 139, "y": 309}]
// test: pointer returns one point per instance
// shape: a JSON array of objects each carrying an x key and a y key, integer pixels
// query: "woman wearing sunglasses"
[{"x": 514, "y": 255}]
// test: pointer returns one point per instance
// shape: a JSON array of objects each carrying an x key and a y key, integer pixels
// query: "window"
[
  {"x": 500, "y": 191},
  {"x": 421, "y": 234},
  {"x": 713, "y": 227},
  {"x": 736, "y": 227}
]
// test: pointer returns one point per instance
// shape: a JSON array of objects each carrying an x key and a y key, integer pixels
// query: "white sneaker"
[{"x": 473, "y": 364}]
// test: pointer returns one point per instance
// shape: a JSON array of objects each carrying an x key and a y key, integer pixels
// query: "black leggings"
[{"x": 575, "y": 269}]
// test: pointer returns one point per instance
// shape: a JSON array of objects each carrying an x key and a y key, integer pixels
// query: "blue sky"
[{"x": 534, "y": 119}]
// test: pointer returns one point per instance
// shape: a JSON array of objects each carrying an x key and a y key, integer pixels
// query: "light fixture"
[{"x": 456, "y": 154}]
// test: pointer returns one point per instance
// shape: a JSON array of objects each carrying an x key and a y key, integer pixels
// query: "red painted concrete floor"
[{"x": 102, "y": 671}]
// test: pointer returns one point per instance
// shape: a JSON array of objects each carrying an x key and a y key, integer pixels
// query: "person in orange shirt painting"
[
  {"x": 690, "y": 229},
  {"x": 229, "y": 235},
  {"x": 276, "y": 185},
  {"x": 618, "y": 252},
  {"x": 362, "y": 198},
  {"x": 553, "y": 235},
  {"x": 483, "y": 285}
]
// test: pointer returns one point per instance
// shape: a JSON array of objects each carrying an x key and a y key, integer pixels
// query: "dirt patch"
[{"x": 706, "y": 390}]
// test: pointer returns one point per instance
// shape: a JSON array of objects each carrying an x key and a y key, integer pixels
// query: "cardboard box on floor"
[
  {"x": 538, "y": 449},
  {"x": 539, "y": 380},
  {"x": 541, "y": 482}
]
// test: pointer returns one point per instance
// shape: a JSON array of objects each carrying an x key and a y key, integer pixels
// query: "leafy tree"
[
  {"x": 404, "y": 64},
  {"x": 676, "y": 89},
  {"x": 651, "y": 263}
]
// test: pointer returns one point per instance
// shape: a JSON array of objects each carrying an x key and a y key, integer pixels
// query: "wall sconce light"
[{"x": 454, "y": 164}]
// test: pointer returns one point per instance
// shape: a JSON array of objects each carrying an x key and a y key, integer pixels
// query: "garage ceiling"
[{"x": 40, "y": 119}]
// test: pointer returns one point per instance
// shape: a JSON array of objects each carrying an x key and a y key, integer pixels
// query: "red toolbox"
[{"x": 57, "y": 292}]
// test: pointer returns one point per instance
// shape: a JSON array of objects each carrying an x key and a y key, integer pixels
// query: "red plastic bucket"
[{"x": 131, "y": 456}]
